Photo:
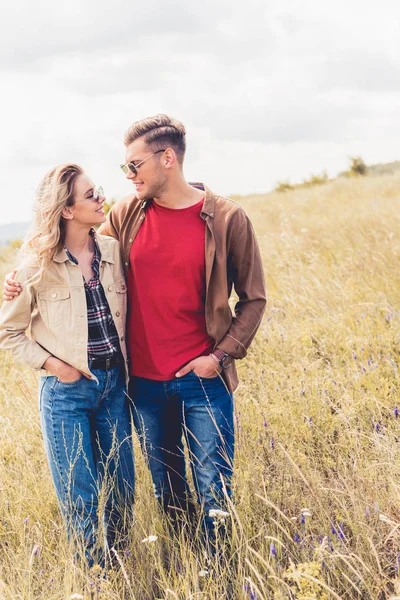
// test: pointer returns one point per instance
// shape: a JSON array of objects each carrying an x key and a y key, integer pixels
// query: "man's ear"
[
  {"x": 67, "y": 213},
  {"x": 169, "y": 158}
]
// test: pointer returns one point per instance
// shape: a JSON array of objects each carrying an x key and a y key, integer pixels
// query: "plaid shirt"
[{"x": 103, "y": 340}]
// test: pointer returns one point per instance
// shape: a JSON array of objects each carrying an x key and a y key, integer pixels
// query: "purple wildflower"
[
  {"x": 296, "y": 538},
  {"x": 272, "y": 549},
  {"x": 303, "y": 519},
  {"x": 265, "y": 422},
  {"x": 333, "y": 529},
  {"x": 396, "y": 412},
  {"x": 252, "y": 595},
  {"x": 341, "y": 532},
  {"x": 272, "y": 443},
  {"x": 26, "y": 520}
]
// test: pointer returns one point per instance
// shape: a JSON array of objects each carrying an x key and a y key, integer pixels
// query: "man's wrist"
[
  {"x": 215, "y": 359},
  {"x": 223, "y": 358},
  {"x": 219, "y": 353}
]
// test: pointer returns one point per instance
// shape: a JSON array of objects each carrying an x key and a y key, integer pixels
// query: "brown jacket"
[{"x": 232, "y": 260}]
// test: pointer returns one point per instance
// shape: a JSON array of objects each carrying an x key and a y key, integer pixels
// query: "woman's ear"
[{"x": 67, "y": 213}]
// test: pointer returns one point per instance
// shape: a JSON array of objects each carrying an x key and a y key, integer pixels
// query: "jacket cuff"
[
  {"x": 40, "y": 359},
  {"x": 232, "y": 346}
]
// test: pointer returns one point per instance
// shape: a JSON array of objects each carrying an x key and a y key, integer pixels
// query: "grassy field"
[{"x": 317, "y": 469}]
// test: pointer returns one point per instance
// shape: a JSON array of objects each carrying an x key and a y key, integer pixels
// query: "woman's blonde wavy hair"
[{"x": 47, "y": 233}]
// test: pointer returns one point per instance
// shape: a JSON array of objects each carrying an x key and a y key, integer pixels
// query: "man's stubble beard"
[{"x": 155, "y": 191}]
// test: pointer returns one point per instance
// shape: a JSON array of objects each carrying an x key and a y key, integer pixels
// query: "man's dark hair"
[{"x": 159, "y": 132}]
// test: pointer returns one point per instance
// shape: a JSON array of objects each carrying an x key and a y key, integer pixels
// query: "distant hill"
[
  {"x": 12, "y": 231},
  {"x": 378, "y": 169},
  {"x": 384, "y": 168}
]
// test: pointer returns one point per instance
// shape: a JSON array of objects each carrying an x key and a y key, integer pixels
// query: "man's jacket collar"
[{"x": 209, "y": 199}]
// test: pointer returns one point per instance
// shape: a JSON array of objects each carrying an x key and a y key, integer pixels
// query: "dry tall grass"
[{"x": 317, "y": 469}]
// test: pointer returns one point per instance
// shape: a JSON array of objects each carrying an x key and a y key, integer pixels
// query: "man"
[{"x": 183, "y": 249}]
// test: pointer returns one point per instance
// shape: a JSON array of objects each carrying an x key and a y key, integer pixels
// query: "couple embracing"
[{"x": 132, "y": 322}]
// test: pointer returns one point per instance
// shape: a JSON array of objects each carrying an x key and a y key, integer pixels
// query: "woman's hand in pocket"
[{"x": 63, "y": 371}]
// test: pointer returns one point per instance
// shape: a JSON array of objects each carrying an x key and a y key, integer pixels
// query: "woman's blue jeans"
[
  {"x": 88, "y": 440},
  {"x": 201, "y": 410}
]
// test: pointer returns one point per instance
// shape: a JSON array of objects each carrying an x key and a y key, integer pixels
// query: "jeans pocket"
[
  {"x": 213, "y": 378},
  {"x": 69, "y": 383}
]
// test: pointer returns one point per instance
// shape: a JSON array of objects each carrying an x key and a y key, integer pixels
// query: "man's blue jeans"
[
  {"x": 201, "y": 410},
  {"x": 88, "y": 440}
]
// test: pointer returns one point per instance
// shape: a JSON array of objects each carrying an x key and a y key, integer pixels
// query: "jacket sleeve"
[
  {"x": 245, "y": 270},
  {"x": 15, "y": 318}
]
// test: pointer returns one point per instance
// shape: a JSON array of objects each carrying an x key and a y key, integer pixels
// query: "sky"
[{"x": 268, "y": 90}]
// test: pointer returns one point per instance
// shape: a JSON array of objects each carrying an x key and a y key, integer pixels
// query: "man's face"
[{"x": 151, "y": 177}]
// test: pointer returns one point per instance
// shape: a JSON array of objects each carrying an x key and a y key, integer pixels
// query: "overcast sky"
[{"x": 268, "y": 90}]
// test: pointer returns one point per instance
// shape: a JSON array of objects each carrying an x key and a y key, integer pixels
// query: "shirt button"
[
  {"x": 211, "y": 214},
  {"x": 130, "y": 241},
  {"x": 110, "y": 288},
  {"x": 126, "y": 264},
  {"x": 141, "y": 218},
  {"x": 123, "y": 287},
  {"x": 117, "y": 314},
  {"x": 122, "y": 338},
  {"x": 54, "y": 295}
]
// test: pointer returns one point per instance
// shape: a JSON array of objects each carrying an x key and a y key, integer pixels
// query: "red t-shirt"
[{"x": 166, "y": 286}]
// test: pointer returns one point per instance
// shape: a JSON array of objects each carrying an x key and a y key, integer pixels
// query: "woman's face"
[{"x": 86, "y": 210}]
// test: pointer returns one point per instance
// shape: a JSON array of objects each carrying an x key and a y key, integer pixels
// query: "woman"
[{"x": 73, "y": 301}]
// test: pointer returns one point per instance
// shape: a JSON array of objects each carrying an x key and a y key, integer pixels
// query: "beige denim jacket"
[{"x": 49, "y": 317}]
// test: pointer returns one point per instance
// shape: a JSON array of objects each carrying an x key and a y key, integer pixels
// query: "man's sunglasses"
[{"x": 133, "y": 168}]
